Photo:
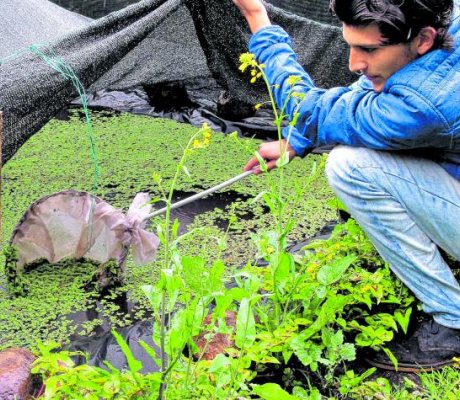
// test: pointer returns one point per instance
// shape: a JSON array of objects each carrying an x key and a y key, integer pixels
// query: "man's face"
[{"x": 375, "y": 60}]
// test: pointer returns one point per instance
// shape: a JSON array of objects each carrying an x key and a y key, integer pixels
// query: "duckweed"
[{"x": 130, "y": 149}]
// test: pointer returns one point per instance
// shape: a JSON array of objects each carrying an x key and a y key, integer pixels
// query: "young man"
[{"x": 397, "y": 163}]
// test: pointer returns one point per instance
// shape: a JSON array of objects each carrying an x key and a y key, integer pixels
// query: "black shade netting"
[{"x": 151, "y": 44}]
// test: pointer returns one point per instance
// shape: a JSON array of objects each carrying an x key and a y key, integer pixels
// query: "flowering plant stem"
[{"x": 169, "y": 236}]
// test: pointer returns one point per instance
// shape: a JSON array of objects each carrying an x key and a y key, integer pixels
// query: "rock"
[
  {"x": 15, "y": 375},
  {"x": 219, "y": 342}
]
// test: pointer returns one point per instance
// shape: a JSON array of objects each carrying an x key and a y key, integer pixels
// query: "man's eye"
[{"x": 368, "y": 49}]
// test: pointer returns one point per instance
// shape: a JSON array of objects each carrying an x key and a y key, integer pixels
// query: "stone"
[
  {"x": 15, "y": 375},
  {"x": 219, "y": 342}
]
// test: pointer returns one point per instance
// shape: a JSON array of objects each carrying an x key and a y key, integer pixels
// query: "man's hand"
[
  {"x": 255, "y": 13},
  {"x": 270, "y": 151}
]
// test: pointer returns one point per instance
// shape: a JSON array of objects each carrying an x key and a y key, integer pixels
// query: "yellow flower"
[
  {"x": 293, "y": 80},
  {"x": 196, "y": 144},
  {"x": 247, "y": 60},
  {"x": 206, "y": 134}
]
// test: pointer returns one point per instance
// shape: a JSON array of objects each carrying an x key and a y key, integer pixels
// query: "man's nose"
[{"x": 356, "y": 63}]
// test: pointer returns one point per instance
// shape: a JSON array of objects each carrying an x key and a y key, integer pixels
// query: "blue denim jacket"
[{"x": 418, "y": 109}]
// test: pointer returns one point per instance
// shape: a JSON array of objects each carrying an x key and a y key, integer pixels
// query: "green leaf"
[
  {"x": 308, "y": 352},
  {"x": 331, "y": 273},
  {"x": 337, "y": 204},
  {"x": 294, "y": 119},
  {"x": 154, "y": 295},
  {"x": 403, "y": 319},
  {"x": 173, "y": 283},
  {"x": 284, "y": 268},
  {"x": 221, "y": 369},
  {"x": 221, "y": 361},
  {"x": 133, "y": 364},
  {"x": 283, "y": 160},
  {"x": 315, "y": 394},
  {"x": 262, "y": 163},
  {"x": 112, "y": 386},
  {"x": 330, "y": 339},
  {"x": 152, "y": 352},
  {"x": 272, "y": 391},
  {"x": 223, "y": 303},
  {"x": 245, "y": 325},
  {"x": 258, "y": 197},
  {"x": 237, "y": 293},
  {"x": 326, "y": 314},
  {"x": 215, "y": 277},
  {"x": 184, "y": 168},
  {"x": 175, "y": 228},
  {"x": 391, "y": 356},
  {"x": 347, "y": 352},
  {"x": 180, "y": 330},
  {"x": 301, "y": 393},
  {"x": 195, "y": 272}
]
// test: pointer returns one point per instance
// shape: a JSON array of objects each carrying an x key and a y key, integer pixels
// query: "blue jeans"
[{"x": 408, "y": 206}]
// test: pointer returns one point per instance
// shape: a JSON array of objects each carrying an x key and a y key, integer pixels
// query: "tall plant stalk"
[
  {"x": 167, "y": 238},
  {"x": 277, "y": 188}
]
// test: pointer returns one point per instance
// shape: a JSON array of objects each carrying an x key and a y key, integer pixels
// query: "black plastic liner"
[
  {"x": 195, "y": 112},
  {"x": 105, "y": 348}
]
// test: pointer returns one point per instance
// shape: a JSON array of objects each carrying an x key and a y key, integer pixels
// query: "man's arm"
[
  {"x": 400, "y": 118},
  {"x": 255, "y": 13},
  {"x": 257, "y": 18}
]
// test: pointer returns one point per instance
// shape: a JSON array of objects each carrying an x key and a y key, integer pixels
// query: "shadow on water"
[
  {"x": 187, "y": 213},
  {"x": 101, "y": 346}
]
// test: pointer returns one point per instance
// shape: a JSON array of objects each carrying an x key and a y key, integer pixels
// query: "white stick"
[{"x": 201, "y": 194}]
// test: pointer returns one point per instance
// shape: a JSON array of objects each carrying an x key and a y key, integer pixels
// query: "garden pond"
[{"x": 300, "y": 320}]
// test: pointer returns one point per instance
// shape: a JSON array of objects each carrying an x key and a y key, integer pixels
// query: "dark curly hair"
[{"x": 399, "y": 21}]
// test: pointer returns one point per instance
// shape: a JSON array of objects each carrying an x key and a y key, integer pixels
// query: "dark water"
[{"x": 187, "y": 213}]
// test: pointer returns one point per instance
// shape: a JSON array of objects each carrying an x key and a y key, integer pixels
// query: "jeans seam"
[{"x": 359, "y": 168}]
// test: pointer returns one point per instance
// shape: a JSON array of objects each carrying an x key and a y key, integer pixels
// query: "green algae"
[{"x": 130, "y": 150}]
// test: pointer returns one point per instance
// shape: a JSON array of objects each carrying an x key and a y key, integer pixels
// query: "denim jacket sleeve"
[{"x": 397, "y": 118}]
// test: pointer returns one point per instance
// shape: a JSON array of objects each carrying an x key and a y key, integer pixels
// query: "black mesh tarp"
[
  {"x": 25, "y": 22},
  {"x": 94, "y": 8},
  {"x": 185, "y": 44},
  {"x": 316, "y": 10}
]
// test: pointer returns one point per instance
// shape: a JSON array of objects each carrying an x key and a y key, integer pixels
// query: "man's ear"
[{"x": 425, "y": 39}]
